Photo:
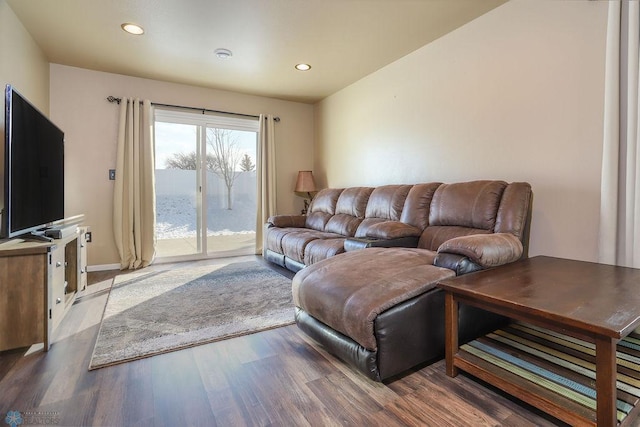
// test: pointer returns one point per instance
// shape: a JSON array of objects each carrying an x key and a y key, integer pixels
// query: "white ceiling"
[{"x": 343, "y": 40}]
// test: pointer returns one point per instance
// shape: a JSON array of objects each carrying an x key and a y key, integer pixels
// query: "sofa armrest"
[
  {"x": 284, "y": 221},
  {"x": 355, "y": 243},
  {"x": 486, "y": 250},
  {"x": 460, "y": 264},
  {"x": 389, "y": 230}
]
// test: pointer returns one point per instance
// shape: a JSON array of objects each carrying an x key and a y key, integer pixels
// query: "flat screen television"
[{"x": 33, "y": 169}]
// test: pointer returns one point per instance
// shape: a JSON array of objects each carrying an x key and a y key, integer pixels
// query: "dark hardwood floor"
[{"x": 273, "y": 378}]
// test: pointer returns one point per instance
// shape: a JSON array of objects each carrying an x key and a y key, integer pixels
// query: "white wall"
[
  {"x": 516, "y": 94},
  {"x": 23, "y": 65},
  {"x": 90, "y": 123}
]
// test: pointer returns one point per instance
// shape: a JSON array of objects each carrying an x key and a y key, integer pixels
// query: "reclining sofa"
[
  {"x": 368, "y": 261},
  {"x": 393, "y": 215}
]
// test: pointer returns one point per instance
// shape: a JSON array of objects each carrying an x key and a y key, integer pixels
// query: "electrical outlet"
[
  {"x": 112, "y": 174},
  {"x": 87, "y": 236}
]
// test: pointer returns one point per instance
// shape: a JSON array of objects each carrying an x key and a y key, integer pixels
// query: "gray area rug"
[{"x": 157, "y": 312}]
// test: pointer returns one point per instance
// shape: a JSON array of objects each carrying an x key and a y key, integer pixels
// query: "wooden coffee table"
[{"x": 592, "y": 302}]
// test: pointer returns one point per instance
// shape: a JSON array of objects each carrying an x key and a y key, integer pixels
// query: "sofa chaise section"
[{"x": 379, "y": 309}]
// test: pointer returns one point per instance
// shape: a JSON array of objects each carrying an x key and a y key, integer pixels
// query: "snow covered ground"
[{"x": 176, "y": 217}]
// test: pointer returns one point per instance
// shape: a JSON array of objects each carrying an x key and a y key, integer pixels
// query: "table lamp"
[{"x": 305, "y": 184}]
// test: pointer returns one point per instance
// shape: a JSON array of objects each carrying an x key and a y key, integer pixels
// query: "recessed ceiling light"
[
  {"x": 303, "y": 67},
  {"x": 132, "y": 28},
  {"x": 223, "y": 53}
]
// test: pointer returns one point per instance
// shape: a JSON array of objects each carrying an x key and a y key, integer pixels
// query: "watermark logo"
[
  {"x": 13, "y": 418},
  {"x": 17, "y": 418}
]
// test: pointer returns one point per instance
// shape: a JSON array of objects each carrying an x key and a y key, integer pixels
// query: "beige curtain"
[
  {"x": 619, "y": 241},
  {"x": 134, "y": 203},
  {"x": 266, "y": 176}
]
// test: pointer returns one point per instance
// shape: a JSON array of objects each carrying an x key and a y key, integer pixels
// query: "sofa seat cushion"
[
  {"x": 274, "y": 236},
  {"x": 347, "y": 292},
  {"x": 294, "y": 244},
  {"x": 320, "y": 249}
]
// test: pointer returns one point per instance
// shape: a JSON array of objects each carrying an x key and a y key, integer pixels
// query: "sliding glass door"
[
  {"x": 205, "y": 185},
  {"x": 178, "y": 203}
]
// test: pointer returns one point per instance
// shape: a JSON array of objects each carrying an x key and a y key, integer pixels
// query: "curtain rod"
[{"x": 117, "y": 101}]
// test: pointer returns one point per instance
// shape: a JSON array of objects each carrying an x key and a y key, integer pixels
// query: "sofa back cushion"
[
  {"x": 350, "y": 210},
  {"x": 515, "y": 211},
  {"x": 322, "y": 208},
  {"x": 462, "y": 209},
  {"x": 385, "y": 204},
  {"x": 417, "y": 205}
]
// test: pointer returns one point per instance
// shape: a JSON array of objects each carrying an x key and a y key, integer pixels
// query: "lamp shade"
[{"x": 305, "y": 182}]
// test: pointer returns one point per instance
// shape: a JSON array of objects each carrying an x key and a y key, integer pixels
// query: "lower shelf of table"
[{"x": 552, "y": 371}]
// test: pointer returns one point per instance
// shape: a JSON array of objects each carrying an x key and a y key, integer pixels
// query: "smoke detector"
[{"x": 223, "y": 53}]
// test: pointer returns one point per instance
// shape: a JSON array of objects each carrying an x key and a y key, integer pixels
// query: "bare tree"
[
  {"x": 246, "y": 165},
  {"x": 226, "y": 156},
  {"x": 187, "y": 161}
]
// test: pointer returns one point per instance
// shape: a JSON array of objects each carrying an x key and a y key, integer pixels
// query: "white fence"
[
  {"x": 178, "y": 182},
  {"x": 176, "y": 203}
]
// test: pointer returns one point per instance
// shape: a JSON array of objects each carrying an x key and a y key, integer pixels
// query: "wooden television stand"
[{"x": 38, "y": 285}]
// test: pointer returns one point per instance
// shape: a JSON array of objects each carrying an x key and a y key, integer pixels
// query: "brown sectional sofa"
[{"x": 379, "y": 309}]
